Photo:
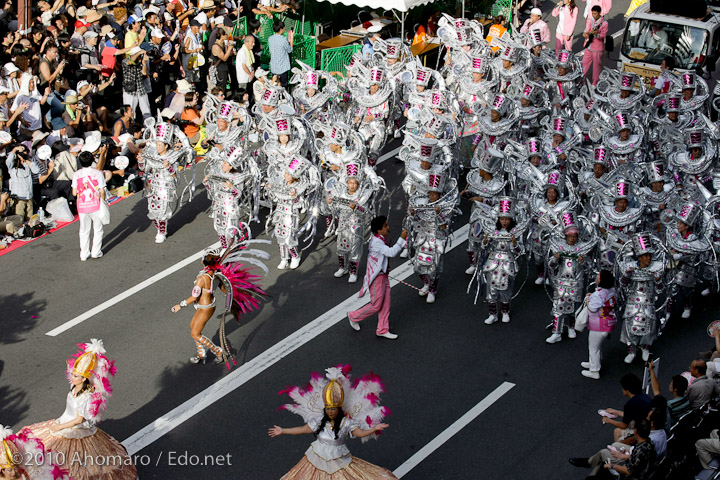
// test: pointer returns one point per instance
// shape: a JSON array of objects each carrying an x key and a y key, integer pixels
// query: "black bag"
[
  {"x": 609, "y": 43},
  {"x": 36, "y": 231},
  {"x": 136, "y": 185}
]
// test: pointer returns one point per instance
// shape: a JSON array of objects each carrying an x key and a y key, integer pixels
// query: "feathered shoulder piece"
[
  {"x": 27, "y": 453},
  {"x": 91, "y": 363},
  {"x": 361, "y": 397}
]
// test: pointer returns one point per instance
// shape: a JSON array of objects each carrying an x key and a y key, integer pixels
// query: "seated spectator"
[
  {"x": 31, "y": 118},
  {"x": 708, "y": 449},
  {"x": 9, "y": 223},
  {"x": 635, "y": 409},
  {"x": 658, "y": 435},
  {"x": 678, "y": 405},
  {"x": 702, "y": 389},
  {"x": 635, "y": 463}
]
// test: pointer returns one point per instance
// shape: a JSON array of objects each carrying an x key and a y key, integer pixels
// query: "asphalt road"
[{"x": 445, "y": 362}]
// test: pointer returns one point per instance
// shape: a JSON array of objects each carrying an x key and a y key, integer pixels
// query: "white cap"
[
  {"x": 157, "y": 33},
  {"x": 536, "y": 11},
  {"x": 81, "y": 83},
  {"x": 90, "y": 34},
  {"x": 218, "y": 20},
  {"x": 81, "y": 12},
  {"x": 44, "y": 152},
  {"x": 110, "y": 35},
  {"x": 4, "y": 89},
  {"x": 201, "y": 18},
  {"x": 10, "y": 68}
]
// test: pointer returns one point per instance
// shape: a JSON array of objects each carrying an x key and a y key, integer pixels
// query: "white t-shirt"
[{"x": 242, "y": 59}]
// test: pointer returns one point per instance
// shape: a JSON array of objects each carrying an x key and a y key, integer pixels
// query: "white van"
[{"x": 651, "y": 36}]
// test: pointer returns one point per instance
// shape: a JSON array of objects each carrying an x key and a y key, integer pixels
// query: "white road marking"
[
  {"x": 127, "y": 293},
  {"x": 459, "y": 424},
  {"x": 262, "y": 362},
  {"x": 388, "y": 155}
]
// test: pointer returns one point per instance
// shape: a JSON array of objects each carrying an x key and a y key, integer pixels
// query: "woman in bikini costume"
[{"x": 204, "y": 302}]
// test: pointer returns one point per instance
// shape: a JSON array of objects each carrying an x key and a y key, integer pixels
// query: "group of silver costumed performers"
[{"x": 570, "y": 179}]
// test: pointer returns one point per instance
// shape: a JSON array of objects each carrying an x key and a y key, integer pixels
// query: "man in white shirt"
[
  {"x": 244, "y": 63},
  {"x": 376, "y": 278}
]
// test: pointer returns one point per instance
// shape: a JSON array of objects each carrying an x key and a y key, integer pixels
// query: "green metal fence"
[
  {"x": 240, "y": 27},
  {"x": 337, "y": 59},
  {"x": 304, "y": 49}
]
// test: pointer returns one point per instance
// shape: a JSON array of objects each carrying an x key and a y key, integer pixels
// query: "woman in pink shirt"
[
  {"x": 567, "y": 13},
  {"x": 601, "y": 321}
]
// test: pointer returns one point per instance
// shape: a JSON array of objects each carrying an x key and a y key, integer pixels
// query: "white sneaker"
[
  {"x": 629, "y": 358},
  {"x": 282, "y": 265},
  {"x": 585, "y": 365},
  {"x": 491, "y": 319},
  {"x": 404, "y": 253},
  {"x": 686, "y": 313},
  {"x": 388, "y": 335},
  {"x": 539, "y": 280},
  {"x": 328, "y": 233},
  {"x": 554, "y": 338},
  {"x": 83, "y": 259},
  {"x": 645, "y": 354},
  {"x": 294, "y": 263},
  {"x": 430, "y": 298},
  {"x": 398, "y": 134},
  {"x": 352, "y": 278},
  {"x": 99, "y": 255},
  {"x": 506, "y": 317},
  {"x": 572, "y": 333},
  {"x": 705, "y": 292},
  {"x": 159, "y": 238},
  {"x": 470, "y": 270},
  {"x": 341, "y": 271},
  {"x": 547, "y": 281},
  {"x": 589, "y": 374},
  {"x": 355, "y": 326},
  {"x": 424, "y": 291}
]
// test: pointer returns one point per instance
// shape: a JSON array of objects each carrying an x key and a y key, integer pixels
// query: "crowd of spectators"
[
  {"x": 669, "y": 434},
  {"x": 88, "y": 73}
]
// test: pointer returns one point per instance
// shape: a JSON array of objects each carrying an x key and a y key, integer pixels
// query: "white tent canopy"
[
  {"x": 402, "y": 6},
  {"x": 399, "y": 5}
]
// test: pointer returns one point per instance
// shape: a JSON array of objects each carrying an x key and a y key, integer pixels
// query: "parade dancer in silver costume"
[
  {"x": 349, "y": 199},
  {"x": 290, "y": 190},
  {"x": 570, "y": 247},
  {"x": 372, "y": 97},
  {"x": 687, "y": 245},
  {"x": 504, "y": 243},
  {"x": 312, "y": 102},
  {"x": 230, "y": 184},
  {"x": 431, "y": 208},
  {"x": 167, "y": 150},
  {"x": 641, "y": 278}
]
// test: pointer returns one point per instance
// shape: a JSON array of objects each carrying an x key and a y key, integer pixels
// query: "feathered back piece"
[
  {"x": 242, "y": 290},
  {"x": 90, "y": 362},
  {"x": 361, "y": 402},
  {"x": 27, "y": 453}
]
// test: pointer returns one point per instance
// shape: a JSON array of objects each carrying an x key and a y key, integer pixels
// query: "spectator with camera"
[{"x": 20, "y": 169}]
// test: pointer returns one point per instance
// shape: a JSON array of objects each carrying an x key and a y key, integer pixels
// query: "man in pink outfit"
[
  {"x": 598, "y": 28},
  {"x": 535, "y": 22},
  {"x": 376, "y": 278}
]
